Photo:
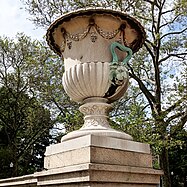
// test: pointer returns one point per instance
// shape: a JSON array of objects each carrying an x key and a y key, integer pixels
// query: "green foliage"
[
  {"x": 5, "y": 158},
  {"x": 178, "y": 160},
  {"x": 44, "y": 12},
  {"x": 24, "y": 123},
  {"x": 25, "y": 126},
  {"x": 31, "y": 77}
]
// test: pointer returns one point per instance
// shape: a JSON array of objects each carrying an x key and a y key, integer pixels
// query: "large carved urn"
[{"x": 95, "y": 46}]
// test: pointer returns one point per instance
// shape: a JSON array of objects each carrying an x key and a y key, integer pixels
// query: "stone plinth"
[
  {"x": 93, "y": 161},
  {"x": 97, "y": 175},
  {"x": 97, "y": 149},
  {"x": 96, "y": 161}
]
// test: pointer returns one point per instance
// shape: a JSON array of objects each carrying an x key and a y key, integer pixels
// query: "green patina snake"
[
  {"x": 122, "y": 48},
  {"x": 118, "y": 70}
]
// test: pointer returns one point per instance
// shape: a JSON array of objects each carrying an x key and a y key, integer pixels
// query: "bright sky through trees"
[{"x": 13, "y": 19}]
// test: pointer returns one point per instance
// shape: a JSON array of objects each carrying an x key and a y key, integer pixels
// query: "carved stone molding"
[
  {"x": 106, "y": 23},
  {"x": 95, "y": 109},
  {"x": 96, "y": 112},
  {"x": 95, "y": 122}
]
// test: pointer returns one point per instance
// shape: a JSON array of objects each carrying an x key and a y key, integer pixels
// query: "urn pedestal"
[{"x": 98, "y": 161}]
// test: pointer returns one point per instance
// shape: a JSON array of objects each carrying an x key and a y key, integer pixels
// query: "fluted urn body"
[
  {"x": 85, "y": 80},
  {"x": 95, "y": 45},
  {"x": 92, "y": 79}
]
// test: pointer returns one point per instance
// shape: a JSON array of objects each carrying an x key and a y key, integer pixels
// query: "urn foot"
[{"x": 96, "y": 111}]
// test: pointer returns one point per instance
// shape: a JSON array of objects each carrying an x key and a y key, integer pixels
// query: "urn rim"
[{"x": 88, "y": 12}]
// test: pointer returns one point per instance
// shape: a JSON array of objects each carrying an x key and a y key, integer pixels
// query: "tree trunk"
[
  {"x": 13, "y": 147},
  {"x": 15, "y": 168},
  {"x": 164, "y": 162}
]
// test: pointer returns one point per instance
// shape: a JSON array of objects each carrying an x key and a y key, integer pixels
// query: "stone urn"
[{"x": 95, "y": 46}]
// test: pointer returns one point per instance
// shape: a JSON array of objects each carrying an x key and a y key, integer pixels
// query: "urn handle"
[{"x": 122, "y": 48}]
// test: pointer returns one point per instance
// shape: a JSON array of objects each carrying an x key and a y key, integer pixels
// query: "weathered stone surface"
[
  {"x": 89, "y": 175},
  {"x": 119, "y": 157},
  {"x": 99, "y": 174},
  {"x": 95, "y": 184},
  {"x": 98, "y": 141},
  {"x": 23, "y": 181},
  {"x": 98, "y": 155},
  {"x": 98, "y": 149}
]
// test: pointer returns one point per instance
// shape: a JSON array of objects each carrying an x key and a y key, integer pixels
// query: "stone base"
[
  {"x": 96, "y": 131},
  {"x": 97, "y": 149},
  {"x": 99, "y": 175},
  {"x": 99, "y": 161},
  {"x": 93, "y": 161}
]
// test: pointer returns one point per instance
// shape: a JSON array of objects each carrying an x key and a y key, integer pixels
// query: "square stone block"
[{"x": 96, "y": 149}]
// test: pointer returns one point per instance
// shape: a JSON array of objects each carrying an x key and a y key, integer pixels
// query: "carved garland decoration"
[
  {"x": 95, "y": 109},
  {"x": 93, "y": 29},
  {"x": 96, "y": 114},
  {"x": 95, "y": 122}
]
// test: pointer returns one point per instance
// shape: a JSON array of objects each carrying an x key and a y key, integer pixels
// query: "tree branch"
[
  {"x": 146, "y": 92},
  {"x": 181, "y": 123},
  {"x": 151, "y": 43},
  {"x": 59, "y": 107},
  {"x": 32, "y": 140},
  {"x": 153, "y": 29},
  {"x": 168, "y": 11},
  {"x": 178, "y": 55},
  {"x": 174, "y": 117},
  {"x": 150, "y": 52},
  {"x": 170, "y": 22},
  {"x": 173, "y": 33},
  {"x": 174, "y": 105}
]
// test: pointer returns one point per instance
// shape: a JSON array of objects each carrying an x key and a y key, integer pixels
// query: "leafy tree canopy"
[{"x": 24, "y": 122}]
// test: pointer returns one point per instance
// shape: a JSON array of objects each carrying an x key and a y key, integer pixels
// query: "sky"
[{"x": 14, "y": 20}]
